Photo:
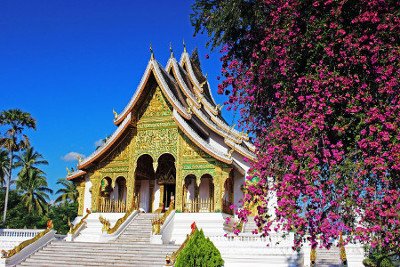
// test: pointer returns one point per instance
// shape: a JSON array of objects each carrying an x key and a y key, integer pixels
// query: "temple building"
[{"x": 170, "y": 143}]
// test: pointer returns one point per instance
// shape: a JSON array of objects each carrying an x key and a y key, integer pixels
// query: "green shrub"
[
  {"x": 386, "y": 262},
  {"x": 369, "y": 263},
  {"x": 199, "y": 252}
]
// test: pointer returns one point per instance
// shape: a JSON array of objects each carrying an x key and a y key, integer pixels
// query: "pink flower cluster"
[{"x": 321, "y": 97}]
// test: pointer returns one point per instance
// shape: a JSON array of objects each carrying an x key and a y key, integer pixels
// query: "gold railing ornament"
[
  {"x": 157, "y": 222},
  {"x": 74, "y": 228},
  {"x": 120, "y": 221},
  {"x": 24, "y": 244},
  {"x": 343, "y": 256},
  {"x": 313, "y": 256},
  {"x": 105, "y": 223}
]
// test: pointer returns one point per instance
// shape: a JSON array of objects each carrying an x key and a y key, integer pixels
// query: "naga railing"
[
  {"x": 159, "y": 220},
  {"x": 107, "y": 225},
  {"x": 12, "y": 252},
  {"x": 73, "y": 228}
]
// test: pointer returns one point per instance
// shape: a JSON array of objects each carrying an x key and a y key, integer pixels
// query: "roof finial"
[
  {"x": 151, "y": 51},
  {"x": 115, "y": 114},
  {"x": 170, "y": 50},
  {"x": 184, "y": 46}
]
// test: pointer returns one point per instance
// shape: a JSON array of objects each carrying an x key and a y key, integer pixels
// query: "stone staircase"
[
  {"x": 139, "y": 230},
  {"x": 132, "y": 248}
]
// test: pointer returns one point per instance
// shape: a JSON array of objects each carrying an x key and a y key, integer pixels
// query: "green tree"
[
  {"x": 29, "y": 159},
  {"x": 68, "y": 192},
  {"x": 34, "y": 189},
  {"x": 14, "y": 140},
  {"x": 4, "y": 166},
  {"x": 18, "y": 215},
  {"x": 60, "y": 214}
]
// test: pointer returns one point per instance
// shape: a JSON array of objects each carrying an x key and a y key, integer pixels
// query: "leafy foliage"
[
  {"x": 199, "y": 252},
  {"x": 15, "y": 121},
  {"x": 317, "y": 84},
  {"x": 34, "y": 189},
  {"x": 61, "y": 213},
  {"x": 68, "y": 192},
  {"x": 4, "y": 166}
]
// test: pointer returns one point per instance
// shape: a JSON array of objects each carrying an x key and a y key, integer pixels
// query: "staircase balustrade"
[
  {"x": 27, "y": 247},
  {"x": 159, "y": 221}
]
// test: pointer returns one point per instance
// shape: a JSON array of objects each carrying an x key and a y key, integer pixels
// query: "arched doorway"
[
  {"x": 166, "y": 178},
  {"x": 190, "y": 194},
  {"x": 144, "y": 179},
  {"x": 206, "y": 194}
]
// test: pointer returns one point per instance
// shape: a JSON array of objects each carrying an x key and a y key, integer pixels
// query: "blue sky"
[{"x": 70, "y": 63}]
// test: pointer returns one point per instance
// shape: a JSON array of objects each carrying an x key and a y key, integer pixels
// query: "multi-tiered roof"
[{"x": 194, "y": 111}]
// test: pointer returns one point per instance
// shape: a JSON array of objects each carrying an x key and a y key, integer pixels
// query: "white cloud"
[
  {"x": 99, "y": 142},
  {"x": 72, "y": 156}
]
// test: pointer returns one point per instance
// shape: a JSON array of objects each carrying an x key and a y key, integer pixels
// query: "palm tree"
[
  {"x": 14, "y": 140},
  {"x": 68, "y": 193},
  {"x": 29, "y": 159},
  {"x": 4, "y": 166},
  {"x": 34, "y": 189}
]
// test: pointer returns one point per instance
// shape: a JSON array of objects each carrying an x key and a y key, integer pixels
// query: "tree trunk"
[{"x": 8, "y": 187}]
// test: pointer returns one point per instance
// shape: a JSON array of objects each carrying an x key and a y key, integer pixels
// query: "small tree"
[
  {"x": 14, "y": 139},
  {"x": 199, "y": 252}
]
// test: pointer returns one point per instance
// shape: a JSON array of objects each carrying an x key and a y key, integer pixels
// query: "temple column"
[
  {"x": 196, "y": 199},
  {"x": 95, "y": 193},
  {"x": 211, "y": 187},
  {"x": 222, "y": 175},
  {"x": 130, "y": 190},
  {"x": 162, "y": 196},
  {"x": 180, "y": 180},
  {"x": 81, "y": 197}
]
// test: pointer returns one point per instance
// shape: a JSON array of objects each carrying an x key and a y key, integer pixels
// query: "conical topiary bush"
[{"x": 199, "y": 252}]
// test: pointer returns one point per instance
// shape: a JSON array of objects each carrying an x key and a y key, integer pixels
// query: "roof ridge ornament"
[
  {"x": 151, "y": 52},
  {"x": 115, "y": 114},
  {"x": 171, "y": 50},
  {"x": 184, "y": 46},
  {"x": 219, "y": 107}
]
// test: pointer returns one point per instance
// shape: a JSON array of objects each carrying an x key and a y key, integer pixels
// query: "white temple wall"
[
  {"x": 190, "y": 192},
  {"x": 204, "y": 189},
  {"x": 157, "y": 193},
  {"x": 144, "y": 195},
  {"x": 87, "y": 201},
  {"x": 239, "y": 180},
  {"x": 114, "y": 193}
]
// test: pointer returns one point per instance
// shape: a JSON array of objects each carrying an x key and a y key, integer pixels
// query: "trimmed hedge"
[{"x": 199, "y": 252}]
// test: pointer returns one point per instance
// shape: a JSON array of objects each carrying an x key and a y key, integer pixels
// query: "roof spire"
[
  {"x": 170, "y": 50},
  {"x": 151, "y": 51},
  {"x": 184, "y": 46}
]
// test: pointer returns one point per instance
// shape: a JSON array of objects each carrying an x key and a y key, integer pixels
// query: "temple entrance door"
[{"x": 169, "y": 191}]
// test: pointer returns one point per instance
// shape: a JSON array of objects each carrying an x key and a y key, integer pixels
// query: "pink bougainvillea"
[{"x": 320, "y": 94}]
